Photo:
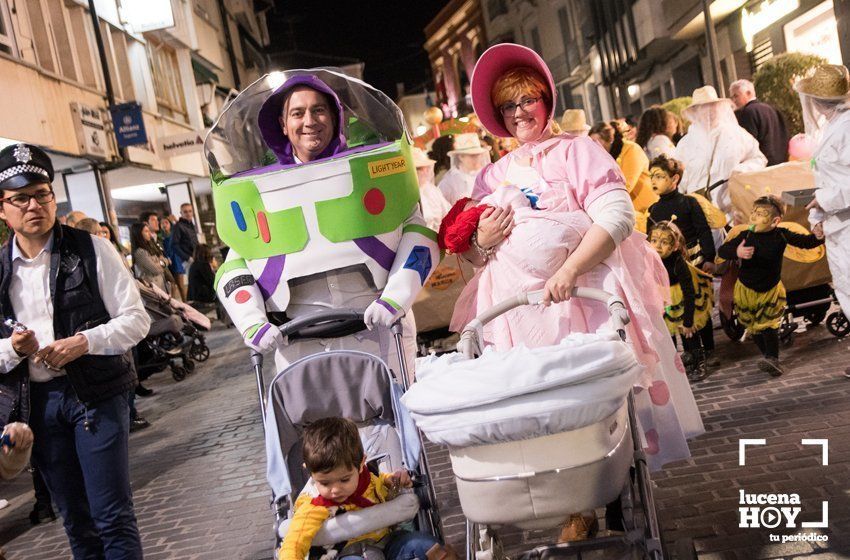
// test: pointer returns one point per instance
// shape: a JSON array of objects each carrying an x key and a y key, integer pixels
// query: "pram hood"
[
  {"x": 345, "y": 383},
  {"x": 522, "y": 393}
]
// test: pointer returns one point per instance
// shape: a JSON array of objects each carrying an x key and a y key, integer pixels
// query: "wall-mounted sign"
[
  {"x": 147, "y": 15},
  {"x": 128, "y": 124},
  {"x": 179, "y": 144},
  {"x": 763, "y": 16},
  {"x": 90, "y": 130}
]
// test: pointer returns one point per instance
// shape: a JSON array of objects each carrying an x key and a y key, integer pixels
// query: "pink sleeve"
[
  {"x": 591, "y": 171},
  {"x": 490, "y": 177}
]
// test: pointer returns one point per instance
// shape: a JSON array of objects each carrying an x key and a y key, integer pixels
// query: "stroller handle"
[{"x": 470, "y": 344}]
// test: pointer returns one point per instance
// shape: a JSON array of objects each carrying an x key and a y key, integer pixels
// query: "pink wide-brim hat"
[{"x": 495, "y": 61}]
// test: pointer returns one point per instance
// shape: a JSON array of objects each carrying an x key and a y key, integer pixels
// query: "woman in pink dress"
[{"x": 513, "y": 95}]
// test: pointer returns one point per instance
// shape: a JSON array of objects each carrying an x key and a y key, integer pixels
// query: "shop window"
[
  {"x": 83, "y": 37},
  {"x": 7, "y": 35},
  {"x": 166, "y": 80},
  {"x": 534, "y": 35}
]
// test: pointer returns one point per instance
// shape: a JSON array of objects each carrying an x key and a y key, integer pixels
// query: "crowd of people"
[{"x": 545, "y": 207}]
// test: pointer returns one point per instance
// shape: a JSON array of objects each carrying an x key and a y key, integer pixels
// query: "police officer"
[{"x": 72, "y": 312}]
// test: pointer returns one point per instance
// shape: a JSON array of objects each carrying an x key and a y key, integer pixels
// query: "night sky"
[{"x": 387, "y": 35}]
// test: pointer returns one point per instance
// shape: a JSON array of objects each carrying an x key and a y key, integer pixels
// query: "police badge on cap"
[{"x": 22, "y": 165}]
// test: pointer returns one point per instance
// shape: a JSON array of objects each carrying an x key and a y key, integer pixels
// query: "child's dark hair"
[
  {"x": 331, "y": 443},
  {"x": 772, "y": 203},
  {"x": 678, "y": 237},
  {"x": 669, "y": 165}
]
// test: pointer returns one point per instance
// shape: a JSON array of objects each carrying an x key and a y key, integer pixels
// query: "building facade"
[
  {"x": 619, "y": 57},
  {"x": 454, "y": 40},
  {"x": 176, "y": 60}
]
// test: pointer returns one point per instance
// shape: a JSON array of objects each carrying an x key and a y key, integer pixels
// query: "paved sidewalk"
[
  {"x": 199, "y": 482},
  {"x": 198, "y": 473}
]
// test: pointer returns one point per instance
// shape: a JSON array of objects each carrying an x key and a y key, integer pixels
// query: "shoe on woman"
[{"x": 578, "y": 528}]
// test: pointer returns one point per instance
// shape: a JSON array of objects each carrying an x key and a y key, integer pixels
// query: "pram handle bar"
[
  {"x": 470, "y": 344},
  {"x": 315, "y": 324}
]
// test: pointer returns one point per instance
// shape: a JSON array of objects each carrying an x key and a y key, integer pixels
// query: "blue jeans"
[
  {"x": 404, "y": 545},
  {"x": 87, "y": 471}
]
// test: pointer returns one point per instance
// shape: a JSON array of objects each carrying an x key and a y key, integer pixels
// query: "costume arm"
[
  {"x": 706, "y": 240},
  {"x": 833, "y": 194},
  {"x": 237, "y": 290},
  {"x": 129, "y": 321},
  {"x": 416, "y": 257},
  {"x": 752, "y": 157},
  {"x": 801, "y": 240},
  {"x": 306, "y": 522},
  {"x": 683, "y": 273},
  {"x": 613, "y": 212},
  {"x": 728, "y": 250}
]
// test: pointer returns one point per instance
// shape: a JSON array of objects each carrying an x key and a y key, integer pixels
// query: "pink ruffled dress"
[{"x": 568, "y": 173}]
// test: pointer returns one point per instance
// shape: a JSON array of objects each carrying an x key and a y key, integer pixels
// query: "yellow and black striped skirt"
[
  {"x": 758, "y": 311},
  {"x": 704, "y": 302}
]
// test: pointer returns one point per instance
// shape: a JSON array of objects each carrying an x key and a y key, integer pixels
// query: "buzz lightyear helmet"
[{"x": 362, "y": 185}]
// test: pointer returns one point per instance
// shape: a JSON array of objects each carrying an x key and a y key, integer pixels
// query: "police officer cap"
[{"x": 22, "y": 165}]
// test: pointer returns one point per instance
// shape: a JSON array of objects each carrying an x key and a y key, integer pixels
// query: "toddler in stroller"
[
  {"x": 175, "y": 334},
  {"x": 340, "y": 481},
  {"x": 360, "y": 387}
]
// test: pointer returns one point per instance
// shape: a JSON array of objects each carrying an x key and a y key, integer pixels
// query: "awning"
[{"x": 203, "y": 75}]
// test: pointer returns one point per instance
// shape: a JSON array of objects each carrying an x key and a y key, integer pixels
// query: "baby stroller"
[
  {"x": 174, "y": 340},
  {"x": 536, "y": 435},
  {"x": 354, "y": 385}
]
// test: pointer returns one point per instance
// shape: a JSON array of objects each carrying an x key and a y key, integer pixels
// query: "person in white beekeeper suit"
[
  {"x": 468, "y": 157},
  {"x": 434, "y": 204},
  {"x": 825, "y": 98},
  {"x": 714, "y": 147}
]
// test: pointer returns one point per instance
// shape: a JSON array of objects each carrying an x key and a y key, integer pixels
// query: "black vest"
[{"x": 77, "y": 306}]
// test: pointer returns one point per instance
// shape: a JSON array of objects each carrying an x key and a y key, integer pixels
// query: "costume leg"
[
  {"x": 104, "y": 458},
  {"x": 758, "y": 338},
  {"x": 706, "y": 335},
  {"x": 771, "y": 343},
  {"x": 55, "y": 456},
  {"x": 408, "y": 545}
]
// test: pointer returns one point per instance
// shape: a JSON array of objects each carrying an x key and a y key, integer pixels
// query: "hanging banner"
[
  {"x": 179, "y": 144},
  {"x": 90, "y": 130}
]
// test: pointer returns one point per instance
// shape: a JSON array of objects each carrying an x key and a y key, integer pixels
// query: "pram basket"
[{"x": 526, "y": 463}]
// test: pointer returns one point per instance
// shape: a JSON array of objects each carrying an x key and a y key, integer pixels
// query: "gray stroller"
[{"x": 354, "y": 385}]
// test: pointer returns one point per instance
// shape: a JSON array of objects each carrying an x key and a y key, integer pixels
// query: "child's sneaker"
[{"x": 771, "y": 366}]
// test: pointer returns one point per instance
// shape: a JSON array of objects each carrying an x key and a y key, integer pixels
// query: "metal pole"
[
  {"x": 101, "y": 50},
  {"x": 711, "y": 47}
]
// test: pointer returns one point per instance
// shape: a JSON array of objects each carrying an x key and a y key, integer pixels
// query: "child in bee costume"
[
  {"x": 695, "y": 217},
  {"x": 759, "y": 295},
  {"x": 691, "y": 297}
]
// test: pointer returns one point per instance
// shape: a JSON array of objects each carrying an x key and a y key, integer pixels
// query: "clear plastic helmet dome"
[{"x": 243, "y": 138}]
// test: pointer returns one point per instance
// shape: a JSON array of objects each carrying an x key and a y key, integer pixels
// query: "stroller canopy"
[{"x": 244, "y": 138}]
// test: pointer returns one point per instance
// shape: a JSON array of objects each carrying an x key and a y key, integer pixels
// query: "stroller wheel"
[
  {"x": 199, "y": 352},
  {"x": 837, "y": 324},
  {"x": 188, "y": 365},
  {"x": 178, "y": 373}
]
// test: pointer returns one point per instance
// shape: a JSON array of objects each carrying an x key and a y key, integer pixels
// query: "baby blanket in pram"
[{"x": 522, "y": 393}]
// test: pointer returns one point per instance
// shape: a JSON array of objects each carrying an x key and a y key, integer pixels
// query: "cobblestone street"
[{"x": 200, "y": 492}]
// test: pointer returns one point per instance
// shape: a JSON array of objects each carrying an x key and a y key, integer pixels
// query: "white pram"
[{"x": 535, "y": 435}]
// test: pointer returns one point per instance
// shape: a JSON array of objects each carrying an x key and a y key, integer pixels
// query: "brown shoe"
[{"x": 578, "y": 528}]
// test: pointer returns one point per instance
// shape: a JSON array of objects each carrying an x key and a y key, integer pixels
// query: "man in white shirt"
[{"x": 73, "y": 311}]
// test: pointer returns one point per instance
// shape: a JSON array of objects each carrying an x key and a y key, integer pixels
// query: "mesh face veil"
[{"x": 818, "y": 113}]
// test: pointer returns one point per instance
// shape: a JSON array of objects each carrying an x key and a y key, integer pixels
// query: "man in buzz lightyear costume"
[{"x": 324, "y": 227}]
